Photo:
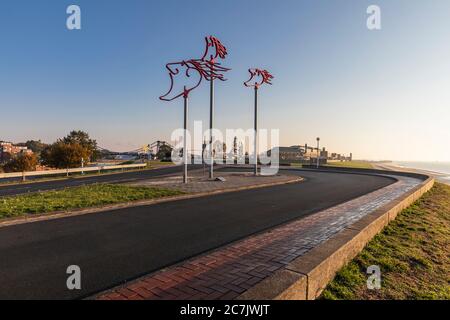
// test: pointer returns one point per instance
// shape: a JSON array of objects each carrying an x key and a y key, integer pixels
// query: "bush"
[
  {"x": 22, "y": 162},
  {"x": 61, "y": 155}
]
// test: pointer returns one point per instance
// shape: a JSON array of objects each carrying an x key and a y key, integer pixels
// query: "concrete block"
[{"x": 282, "y": 285}]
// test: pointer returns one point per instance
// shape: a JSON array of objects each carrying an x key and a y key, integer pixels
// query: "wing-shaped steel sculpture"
[{"x": 258, "y": 77}]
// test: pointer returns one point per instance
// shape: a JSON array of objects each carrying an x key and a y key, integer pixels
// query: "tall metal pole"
[
  {"x": 266, "y": 78},
  {"x": 185, "y": 153},
  {"x": 256, "y": 131},
  {"x": 211, "y": 126},
  {"x": 318, "y": 153}
]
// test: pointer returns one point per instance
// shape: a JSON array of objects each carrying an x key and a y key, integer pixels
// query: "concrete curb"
[
  {"x": 306, "y": 277},
  {"x": 73, "y": 213}
]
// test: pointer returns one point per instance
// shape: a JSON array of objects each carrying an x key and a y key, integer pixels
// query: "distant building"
[
  {"x": 305, "y": 154},
  {"x": 9, "y": 150},
  {"x": 290, "y": 153}
]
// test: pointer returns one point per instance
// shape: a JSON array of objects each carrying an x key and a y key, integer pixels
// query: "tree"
[
  {"x": 164, "y": 152},
  {"x": 64, "y": 155},
  {"x": 22, "y": 162},
  {"x": 82, "y": 138}
]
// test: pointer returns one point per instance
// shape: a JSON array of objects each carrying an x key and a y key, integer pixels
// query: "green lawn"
[
  {"x": 351, "y": 164},
  {"x": 154, "y": 164},
  {"x": 413, "y": 253},
  {"x": 78, "y": 197},
  {"x": 347, "y": 164}
]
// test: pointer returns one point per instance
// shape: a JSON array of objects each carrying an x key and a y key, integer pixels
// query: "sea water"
[{"x": 442, "y": 168}]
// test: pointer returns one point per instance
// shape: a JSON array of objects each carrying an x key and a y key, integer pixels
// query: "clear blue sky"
[{"x": 379, "y": 94}]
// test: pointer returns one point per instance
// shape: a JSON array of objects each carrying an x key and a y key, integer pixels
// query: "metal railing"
[{"x": 23, "y": 175}]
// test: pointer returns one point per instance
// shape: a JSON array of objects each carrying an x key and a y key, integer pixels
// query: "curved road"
[{"x": 113, "y": 247}]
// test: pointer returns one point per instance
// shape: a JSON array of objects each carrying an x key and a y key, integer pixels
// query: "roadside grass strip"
[
  {"x": 413, "y": 254},
  {"x": 351, "y": 164},
  {"x": 78, "y": 198}
]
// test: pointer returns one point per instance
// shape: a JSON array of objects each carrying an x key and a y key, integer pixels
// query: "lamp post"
[
  {"x": 266, "y": 78},
  {"x": 318, "y": 152}
]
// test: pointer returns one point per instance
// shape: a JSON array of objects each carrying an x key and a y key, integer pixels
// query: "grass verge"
[
  {"x": 77, "y": 198},
  {"x": 412, "y": 252},
  {"x": 351, "y": 164}
]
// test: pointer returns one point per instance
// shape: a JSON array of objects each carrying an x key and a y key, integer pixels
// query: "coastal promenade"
[
  {"x": 240, "y": 269},
  {"x": 118, "y": 246}
]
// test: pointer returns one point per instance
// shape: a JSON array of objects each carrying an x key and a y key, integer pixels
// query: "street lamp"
[
  {"x": 318, "y": 152},
  {"x": 266, "y": 78}
]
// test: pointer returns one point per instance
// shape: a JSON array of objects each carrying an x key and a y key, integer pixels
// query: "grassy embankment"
[
  {"x": 351, "y": 164},
  {"x": 77, "y": 198},
  {"x": 413, "y": 253},
  {"x": 346, "y": 164}
]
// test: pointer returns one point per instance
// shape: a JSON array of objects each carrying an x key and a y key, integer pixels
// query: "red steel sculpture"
[
  {"x": 258, "y": 77},
  {"x": 205, "y": 68},
  {"x": 216, "y": 71}
]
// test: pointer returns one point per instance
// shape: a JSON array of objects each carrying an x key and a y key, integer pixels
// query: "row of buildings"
[
  {"x": 9, "y": 150},
  {"x": 306, "y": 154}
]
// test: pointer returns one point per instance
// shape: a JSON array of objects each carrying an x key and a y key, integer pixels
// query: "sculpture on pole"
[
  {"x": 215, "y": 72},
  {"x": 174, "y": 70},
  {"x": 206, "y": 68},
  {"x": 258, "y": 77}
]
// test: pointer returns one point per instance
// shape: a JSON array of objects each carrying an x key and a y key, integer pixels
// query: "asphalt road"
[
  {"x": 113, "y": 247},
  {"x": 15, "y": 189}
]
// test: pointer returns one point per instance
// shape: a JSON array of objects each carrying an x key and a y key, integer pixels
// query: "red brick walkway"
[{"x": 227, "y": 272}]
